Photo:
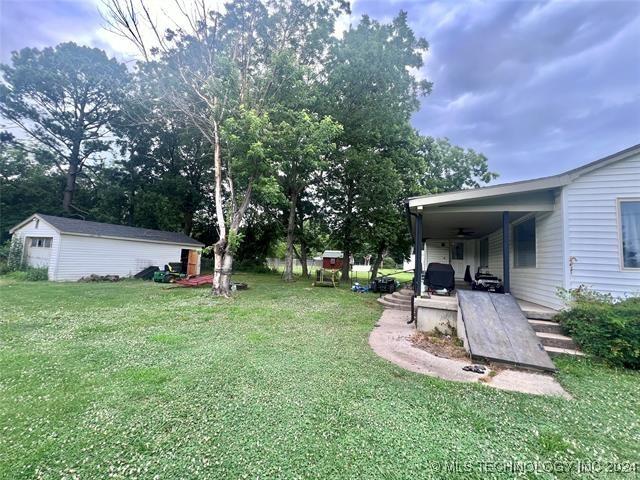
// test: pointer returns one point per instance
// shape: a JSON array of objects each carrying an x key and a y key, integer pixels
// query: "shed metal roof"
[{"x": 74, "y": 226}]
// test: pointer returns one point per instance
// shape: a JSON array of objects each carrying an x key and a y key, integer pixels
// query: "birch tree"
[{"x": 221, "y": 64}]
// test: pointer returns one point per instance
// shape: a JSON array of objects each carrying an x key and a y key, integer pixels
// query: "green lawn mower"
[{"x": 171, "y": 273}]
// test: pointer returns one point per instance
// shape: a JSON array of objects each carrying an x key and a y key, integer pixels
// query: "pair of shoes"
[{"x": 474, "y": 368}]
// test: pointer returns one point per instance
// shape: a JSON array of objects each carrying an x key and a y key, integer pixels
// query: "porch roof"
[{"x": 521, "y": 187}]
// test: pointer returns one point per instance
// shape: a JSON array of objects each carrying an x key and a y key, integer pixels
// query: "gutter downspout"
[{"x": 417, "y": 272}]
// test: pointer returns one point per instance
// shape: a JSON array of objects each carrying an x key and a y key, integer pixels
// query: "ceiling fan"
[{"x": 464, "y": 233}]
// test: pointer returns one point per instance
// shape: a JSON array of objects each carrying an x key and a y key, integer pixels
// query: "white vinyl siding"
[
  {"x": 535, "y": 284},
  {"x": 437, "y": 251},
  {"x": 81, "y": 256},
  {"x": 593, "y": 236}
]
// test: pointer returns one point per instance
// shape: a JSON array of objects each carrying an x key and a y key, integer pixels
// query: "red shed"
[{"x": 332, "y": 259}]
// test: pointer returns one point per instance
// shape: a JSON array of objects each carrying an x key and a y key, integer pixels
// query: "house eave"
[
  {"x": 548, "y": 183},
  {"x": 544, "y": 183}
]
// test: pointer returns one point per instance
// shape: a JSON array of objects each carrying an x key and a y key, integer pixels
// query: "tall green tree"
[
  {"x": 438, "y": 166},
  {"x": 371, "y": 91},
  {"x": 301, "y": 143},
  {"x": 64, "y": 99}
]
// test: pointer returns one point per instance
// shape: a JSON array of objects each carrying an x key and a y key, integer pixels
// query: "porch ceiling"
[
  {"x": 438, "y": 225},
  {"x": 479, "y": 216}
]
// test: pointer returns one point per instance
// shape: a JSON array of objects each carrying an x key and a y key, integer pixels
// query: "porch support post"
[
  {"x": 417, "y": 272},
  {"x": 505, "y": 252}
]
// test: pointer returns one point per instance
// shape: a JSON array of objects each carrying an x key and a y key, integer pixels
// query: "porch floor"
[{"x": 530, "y": 309}]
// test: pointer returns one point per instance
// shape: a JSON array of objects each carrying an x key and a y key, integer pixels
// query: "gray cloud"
[{"x": 539, "y": 87}]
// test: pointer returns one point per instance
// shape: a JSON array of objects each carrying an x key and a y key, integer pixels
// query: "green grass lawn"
[{"x": 133, "y": 380}]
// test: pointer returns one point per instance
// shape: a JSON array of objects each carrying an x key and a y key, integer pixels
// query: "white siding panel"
[
  {"x": 81, "y": 256},
  {"x": 42, "y": 229},
  {"x": 592, "y": 227},
  {"x": 437, "y": 251},
  {"x": 538, "y": 285}
]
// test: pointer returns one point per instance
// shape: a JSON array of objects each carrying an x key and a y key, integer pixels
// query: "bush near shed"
[{"x": 605, "y": 328}]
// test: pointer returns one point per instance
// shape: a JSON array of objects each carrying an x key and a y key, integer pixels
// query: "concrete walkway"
[{"x": 391, "y": 341}]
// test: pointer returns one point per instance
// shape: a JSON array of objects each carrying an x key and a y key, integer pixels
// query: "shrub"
[
  {"x": 4, "y": 251},
  {"x": 30, "y": 274},
  {"x": 605, "y": 328},
  {"x": 34, "y": 274},
  {"x": 14, "y": 257},
  {"x": 388, "y": 262}
]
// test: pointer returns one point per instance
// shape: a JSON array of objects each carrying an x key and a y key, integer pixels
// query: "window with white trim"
[
  {"x": 524, "y": 243},
  {"x": 41, "y": 242},
  {"x": 630, "y": 233}
]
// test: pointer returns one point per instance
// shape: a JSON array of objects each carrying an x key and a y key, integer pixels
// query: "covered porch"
[
  {"x": 515, "y": 235},
  {"x": 510, "y": 233}
]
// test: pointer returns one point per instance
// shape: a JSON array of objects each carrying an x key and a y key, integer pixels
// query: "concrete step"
[
  {"x": 554, "y": 351},
  {"x": 533, "y": 313},
  {"x": 546, "y": 326},
  {"x": 401, "y": 297},
  {"x": 388, "y": 304},
  {"x": 405, "y": 292},
  {"x": 556, "y": 340},
  {"x": 397, "y": 301}
]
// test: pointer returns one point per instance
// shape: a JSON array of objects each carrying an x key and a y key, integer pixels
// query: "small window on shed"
[
  {"x": 47, "y": 243},
  {"x": 524, "y": 243},
  {"x": 34, "y": 242}
]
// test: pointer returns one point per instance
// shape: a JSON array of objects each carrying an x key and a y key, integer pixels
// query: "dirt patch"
[{"x": 444, "y": 346}]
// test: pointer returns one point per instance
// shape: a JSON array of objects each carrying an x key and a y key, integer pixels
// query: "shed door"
[
  {"x": 192, "y": 266},
  {"x": 38, "y": 251}
]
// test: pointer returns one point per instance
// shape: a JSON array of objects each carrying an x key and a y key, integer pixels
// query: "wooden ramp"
[{"x": 497, "y": 330}]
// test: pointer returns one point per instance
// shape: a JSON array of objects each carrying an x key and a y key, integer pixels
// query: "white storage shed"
[{"x": 72, "y": 248}]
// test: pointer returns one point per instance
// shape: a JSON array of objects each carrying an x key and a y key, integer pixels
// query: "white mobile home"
[
  {"x": 72, "y": 248},
  {"x": 581, "y": 227}
]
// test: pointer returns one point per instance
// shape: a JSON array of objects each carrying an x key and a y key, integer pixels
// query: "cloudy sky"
[{"x": 538, "y": 87}]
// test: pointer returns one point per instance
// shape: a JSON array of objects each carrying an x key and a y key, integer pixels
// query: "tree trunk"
[
  {"x": 72, "y": 173},
  {"x": 187, "y": 220},
  {"x": 222, "y": 255},
  {"x": 291, "y": 226},
  {"x": 346, "y": 266},
  {"x": 303, "y": 245},
  {"x": 346, "y": 247},
  {"x": 376, "y": 264},
  {"x": 223, "y": 258},
  {"x": 303, "y": 257}
]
